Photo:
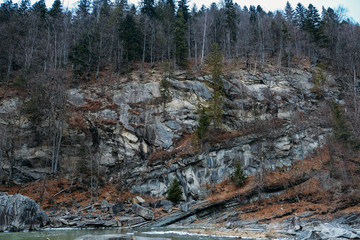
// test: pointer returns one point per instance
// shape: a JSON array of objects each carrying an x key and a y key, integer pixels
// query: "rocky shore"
[{"x": 196, "y": 218}]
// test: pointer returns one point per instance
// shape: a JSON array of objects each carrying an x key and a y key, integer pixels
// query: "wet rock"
[
  {"x": 94, "y": 223},
  {"x": 105, "y": 237},
  {"x": 143, "y": 212},
  {"x": 130, "y": 221},
  {"x": 117, "y": 237},
  {"x": 18, "y": 213},
  {"x": 117, "y": 208},
  {"x": 55, "y": 222}
]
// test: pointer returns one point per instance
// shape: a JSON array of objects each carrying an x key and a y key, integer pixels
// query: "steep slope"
[{"x": 137, "y": 134}]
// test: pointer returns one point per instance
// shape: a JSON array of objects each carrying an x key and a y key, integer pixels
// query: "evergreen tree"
[
  {"x": 300, "y": 15},
  {"x": 39, "y": 8},
  {"x": 180, "y": 39},
  {"x": 312, "y": 21},
  {"x": 83, "y": 8},
  {"x": 174, "y": 192},
  {"x": 131, "y": 36},
  {"x": 184, "y": 8},
  {"x": 24, "y": 6},
  {"x": 328, "y": 29},
  {"x": 148, "y": 8},
  {"x": 340, "y": 126},
  {"x": 289, "y": 13},
  {"x": 239, "y": 177},
  {"x": 203, "y": 124},
  {"x": 216, "y": 103},
  {"x": 56, "y": 9},
  {"x": 230, "y": 18}
]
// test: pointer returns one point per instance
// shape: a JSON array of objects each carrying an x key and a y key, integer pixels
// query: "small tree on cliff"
[
  {"x": 174, "y": 192},
  {"x": 239, "y": 177}
]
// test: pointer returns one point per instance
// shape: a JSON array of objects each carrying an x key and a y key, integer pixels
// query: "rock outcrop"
[
  {"x": 141, "y": 140},
  {"x": 19, "y": 213}
]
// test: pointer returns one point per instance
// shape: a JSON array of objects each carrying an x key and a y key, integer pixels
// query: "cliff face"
[{"x": 138, "y": 133}]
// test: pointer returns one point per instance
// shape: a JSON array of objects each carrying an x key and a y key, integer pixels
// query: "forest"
[{"x": 40, "y": 44}]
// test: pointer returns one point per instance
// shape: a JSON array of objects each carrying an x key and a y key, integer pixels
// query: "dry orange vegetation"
[{"x": 306, "y": 188}]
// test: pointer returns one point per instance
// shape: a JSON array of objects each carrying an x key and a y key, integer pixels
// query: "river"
[{"x": 70, "y": 234}]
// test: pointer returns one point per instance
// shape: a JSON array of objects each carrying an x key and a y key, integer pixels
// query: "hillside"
[{"x": 124, "y": 138}]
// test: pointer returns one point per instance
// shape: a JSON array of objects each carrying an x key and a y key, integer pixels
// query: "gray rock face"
[
  {"x": 19, "y": 213},
  {"x": 143, "y": 212},
  {"x": 132, "y": 124}
]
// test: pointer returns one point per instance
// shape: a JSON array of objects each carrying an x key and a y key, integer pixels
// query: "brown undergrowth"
[{"x": 306, "y": 189}]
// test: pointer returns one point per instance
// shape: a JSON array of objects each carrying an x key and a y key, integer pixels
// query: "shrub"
[
  {"x": 203, "y": 124},
  {"x": 239, "y": 177},
  {"x": 165, "y": 86},
  {"x": 174, "y": 192}
]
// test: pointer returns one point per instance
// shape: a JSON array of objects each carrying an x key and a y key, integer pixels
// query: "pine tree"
[
  {"x": 39, "y": 8},
  {"x": 239, "y": 177},
  {"x": 184, "y": 8},
  {"x": 83, "y": 8},
  {"x": 216, "y": 102},
  {"x": 180, "y": 39},
  {"x": 300, "y": 15},
  {"x": 231, "y": 28},
  {"x": 289, "y": 13},
  {"x": 340, "y": 126},
  {"x": 148, "y": 8},
  {"x": 311, "y": 22},
  {"x": 56, "y": 9},
  {"x": 131, "y": 36},
  {"x": 203, "y": 124},
  {"x": 174, "y": 192}
]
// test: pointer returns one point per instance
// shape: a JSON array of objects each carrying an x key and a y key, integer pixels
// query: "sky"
[{"x": 352, "y": 6}]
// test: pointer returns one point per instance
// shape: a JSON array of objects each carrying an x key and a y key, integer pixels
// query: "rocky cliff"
[{"x": 138, "y": 133}]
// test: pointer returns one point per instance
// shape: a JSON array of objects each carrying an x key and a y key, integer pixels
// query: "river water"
[{"x": 70, "y": 234}]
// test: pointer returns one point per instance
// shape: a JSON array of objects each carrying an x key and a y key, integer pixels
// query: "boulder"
[
  {"x": 333, "y": 231},
  {"x": 18, "y": 213},
  {"x": 106, "y": 205},
  {"x": 163, "y": 203},
  {"x": 129, "y": 221},
  {"x": 118, "y": 207},
  {"x": 146, "y": 213},
  {"x": 138, "y": 199},
  {"x": 307, "y": 235}
]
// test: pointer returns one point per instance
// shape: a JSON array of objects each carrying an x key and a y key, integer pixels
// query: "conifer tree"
[
  {"x": 311, "y": 22},
  {"x": 174, "y": 192},
  {"x": 289, "y": 13},
  {"x": 216, "y": 103},
  {"x": 180, "y": 39}
]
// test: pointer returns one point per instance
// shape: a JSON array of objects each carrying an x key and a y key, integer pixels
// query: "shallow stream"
[{"x": 71, "y": 234}]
